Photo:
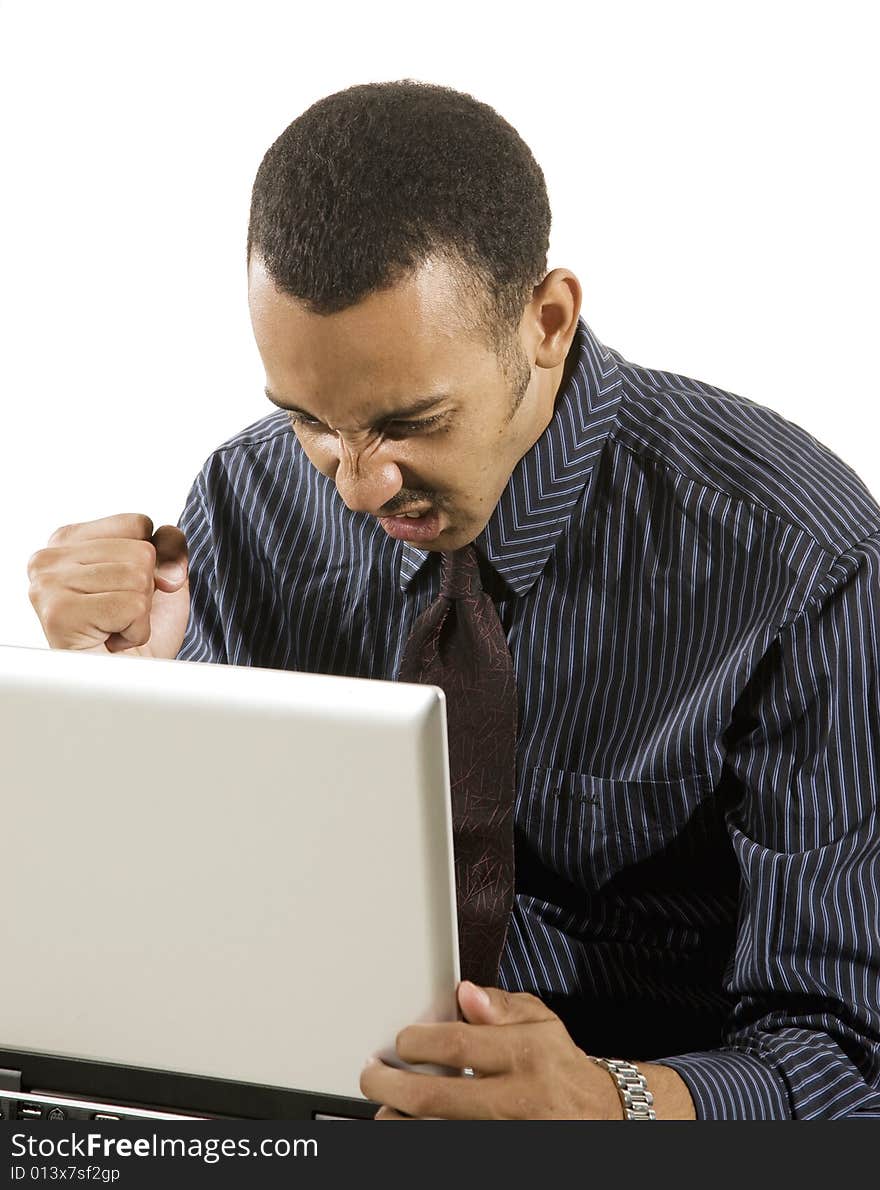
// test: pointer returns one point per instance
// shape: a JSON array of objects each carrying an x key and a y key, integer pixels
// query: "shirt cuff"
[{"x": 731, "y": 1085}]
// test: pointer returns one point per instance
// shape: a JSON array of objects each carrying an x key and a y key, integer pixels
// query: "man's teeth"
[{"x": 413, "y": 516}]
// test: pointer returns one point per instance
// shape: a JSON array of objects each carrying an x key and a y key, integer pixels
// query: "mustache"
[{"x": 407, "y": 499}]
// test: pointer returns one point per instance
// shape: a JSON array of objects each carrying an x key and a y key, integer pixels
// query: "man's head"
[{"x": 397, "y": 253}]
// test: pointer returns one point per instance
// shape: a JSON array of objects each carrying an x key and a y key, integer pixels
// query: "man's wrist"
[
  {"x": 637, "y": 1102},
  {"x": 671, "y": 1096}
]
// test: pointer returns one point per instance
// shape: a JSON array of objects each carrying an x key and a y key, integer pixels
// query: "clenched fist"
[{"x": 111, "y": 585}]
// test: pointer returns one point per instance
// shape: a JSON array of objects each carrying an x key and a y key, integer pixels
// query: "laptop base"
[{"x": 41, "y": 1086}]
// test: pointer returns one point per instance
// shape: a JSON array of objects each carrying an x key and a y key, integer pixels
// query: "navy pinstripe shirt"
[{"x": 690, "y": 586}]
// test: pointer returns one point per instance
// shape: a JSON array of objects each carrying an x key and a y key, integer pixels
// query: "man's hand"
[
  {"x": 526, "y": 1067},
  {"x": 112, "y": 586}
]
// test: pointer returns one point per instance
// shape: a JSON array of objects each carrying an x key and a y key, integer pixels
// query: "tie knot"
[{"x": 460, "y": 574}]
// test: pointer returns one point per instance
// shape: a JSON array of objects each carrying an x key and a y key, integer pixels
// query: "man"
[{"x": 689, "y": 586}]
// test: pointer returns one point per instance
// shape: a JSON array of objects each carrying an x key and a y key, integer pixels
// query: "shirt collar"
[{"x": 550, "y": 478}]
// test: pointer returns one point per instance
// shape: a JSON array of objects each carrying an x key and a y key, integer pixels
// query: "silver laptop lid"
[{"x": 225, "y": 871}]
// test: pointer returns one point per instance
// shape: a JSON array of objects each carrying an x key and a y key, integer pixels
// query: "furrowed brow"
[{"x": 413, "y": 409}]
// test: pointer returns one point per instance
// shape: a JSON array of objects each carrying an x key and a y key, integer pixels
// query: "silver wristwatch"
[{"x": 638, "y": 1102}]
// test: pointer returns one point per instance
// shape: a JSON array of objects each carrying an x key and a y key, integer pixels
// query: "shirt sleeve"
[
  {"x": 803, "y": 772},
  {"x": 204, "y": 638}
]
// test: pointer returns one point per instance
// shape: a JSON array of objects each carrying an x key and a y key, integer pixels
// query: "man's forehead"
[
  {"x": 342, "y": 379},
  {"x": 428, "y": 306}
]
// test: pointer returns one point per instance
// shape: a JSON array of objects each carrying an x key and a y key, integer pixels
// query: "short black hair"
[{"x": 370, "y": 182}]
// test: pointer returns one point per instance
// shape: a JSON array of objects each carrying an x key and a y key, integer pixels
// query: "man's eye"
[
  {"x": 393, "y": 428},
  {"x": 414, "y": 427},
  {"x": 301, "y": 419}
]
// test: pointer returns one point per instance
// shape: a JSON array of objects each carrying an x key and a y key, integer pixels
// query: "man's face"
[{"x": 402, "y": 402}]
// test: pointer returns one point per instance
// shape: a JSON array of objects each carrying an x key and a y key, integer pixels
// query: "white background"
[{"x": 711, "y": 167}]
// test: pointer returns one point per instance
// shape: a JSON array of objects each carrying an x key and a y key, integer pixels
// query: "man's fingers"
[
  {"x": 125, "y": 524},
  {"x": 93, "y": 578},
  {"x": 494, "y": 1006},
  {"x": 425, "y": 1096},
  {"x": 79, "y": 570},
  {"x": 124, "y": 612},
  {"x": 52, "y": 557},
  {"x": 95, "y": 616},
  {"x": 171, "y": 555},
  {"x": 458, "y": 1045},
  {"x": 388, "y": 1113}
]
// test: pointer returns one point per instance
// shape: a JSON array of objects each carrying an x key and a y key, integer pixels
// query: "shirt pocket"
[{"x": 592, "y": 829}]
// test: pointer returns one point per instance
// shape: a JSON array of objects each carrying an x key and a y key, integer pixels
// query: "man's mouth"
[
  {"x": 416, "y": 525},
  {"x": 412, "y": 512}
]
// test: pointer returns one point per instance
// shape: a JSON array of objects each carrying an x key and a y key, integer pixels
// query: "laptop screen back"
[{"x": 224, "y": 871}]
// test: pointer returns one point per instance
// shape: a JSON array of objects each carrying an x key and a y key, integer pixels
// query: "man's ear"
[{"x": 552, "y": 317}]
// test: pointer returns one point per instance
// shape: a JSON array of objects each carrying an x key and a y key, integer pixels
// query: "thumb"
[
  {"x": 172, "y": 557},
  {"x": 493, "y": 1006}
]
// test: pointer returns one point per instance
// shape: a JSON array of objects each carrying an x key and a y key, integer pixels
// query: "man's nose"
[{"x": 365, "y": 479}]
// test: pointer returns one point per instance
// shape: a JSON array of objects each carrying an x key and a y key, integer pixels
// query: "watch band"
[{"x": 638, "y": 1102}]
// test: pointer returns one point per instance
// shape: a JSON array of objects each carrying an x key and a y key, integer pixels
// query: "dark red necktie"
[{"x": 458, "y": 644}]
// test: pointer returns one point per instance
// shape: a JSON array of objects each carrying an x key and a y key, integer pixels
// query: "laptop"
[{"x": 225, "y": 887}]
